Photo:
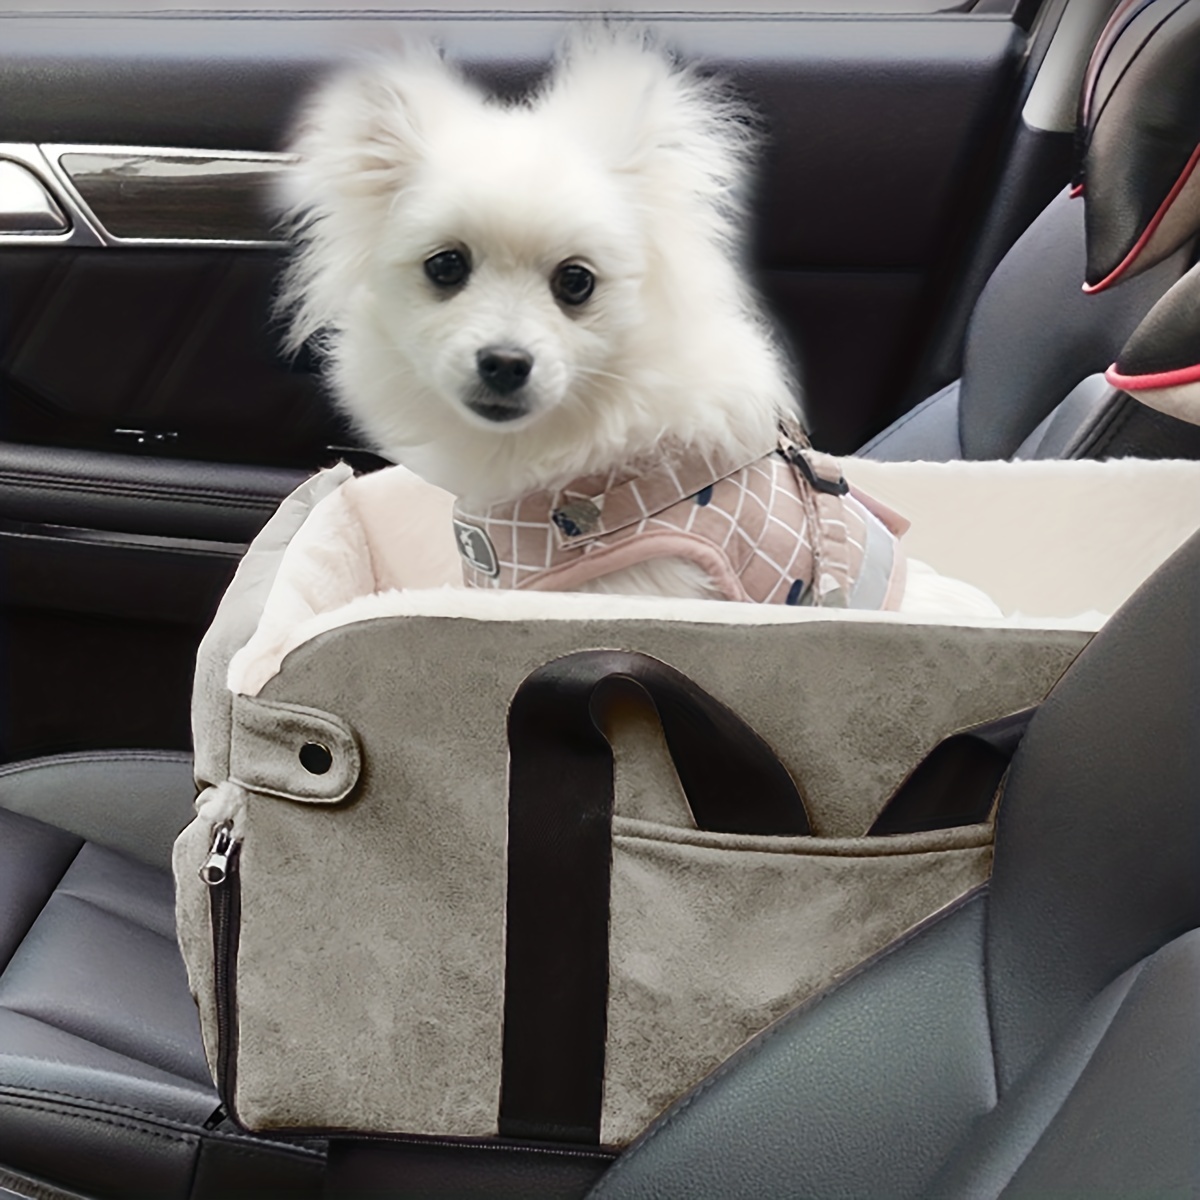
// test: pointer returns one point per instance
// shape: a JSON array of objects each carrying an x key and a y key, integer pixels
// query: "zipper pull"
[{"x": 215, "y": 869}]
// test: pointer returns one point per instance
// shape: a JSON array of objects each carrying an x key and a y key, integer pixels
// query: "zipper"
[
  {"x": 220, "y": 872},
  {"x": 216, "y": 865}
]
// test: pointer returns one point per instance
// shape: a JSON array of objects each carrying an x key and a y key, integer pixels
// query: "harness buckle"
[{"x": 799, "y": 460}]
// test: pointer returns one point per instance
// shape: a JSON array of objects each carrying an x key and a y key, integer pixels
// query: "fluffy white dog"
[{"x": 514, "y": 297}]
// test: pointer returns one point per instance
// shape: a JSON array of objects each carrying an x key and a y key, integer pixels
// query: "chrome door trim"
[
  {"x": 87, "y": 228},
  {"x": 26, "y": 205},
  {"x": 82, "y": 230}
]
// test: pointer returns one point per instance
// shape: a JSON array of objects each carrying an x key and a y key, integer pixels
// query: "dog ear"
[
  {"x": 356, "y": 143},
  {"x": 365, "y": 128},
  {"x": 655, "y": 120}
]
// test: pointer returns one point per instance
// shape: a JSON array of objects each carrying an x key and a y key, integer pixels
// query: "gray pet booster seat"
[{"x": 478, "y": 864}]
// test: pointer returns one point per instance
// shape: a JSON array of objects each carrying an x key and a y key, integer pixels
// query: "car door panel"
[{"x": 111, "y": 565}]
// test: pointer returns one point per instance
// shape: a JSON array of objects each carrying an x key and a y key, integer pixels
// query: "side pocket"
[{"x": 714, "y": 936}]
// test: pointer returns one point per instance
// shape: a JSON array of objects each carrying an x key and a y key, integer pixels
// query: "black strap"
[
  {"x": 832, "y": 487},
  {"x": 560, "y": 857},
  {"x": 957, "y": 781}
]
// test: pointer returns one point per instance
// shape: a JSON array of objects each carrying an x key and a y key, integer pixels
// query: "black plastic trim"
[{"x": 59, "y": 568}]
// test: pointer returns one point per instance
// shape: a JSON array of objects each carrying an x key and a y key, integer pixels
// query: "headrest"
[
  {"x": 1139, "y": 138},
  {"x": 1160, "y": 364}
]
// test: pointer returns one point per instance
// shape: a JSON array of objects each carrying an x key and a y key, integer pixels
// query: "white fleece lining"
[{"x": 1055, "y": 544}]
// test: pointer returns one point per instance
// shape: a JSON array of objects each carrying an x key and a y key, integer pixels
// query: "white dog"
[{"x": 548, "y": 298}]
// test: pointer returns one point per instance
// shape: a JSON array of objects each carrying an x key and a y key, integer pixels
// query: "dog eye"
[
  {"x": 448, "y": 268},
  {"x": 572, "y": 284}
]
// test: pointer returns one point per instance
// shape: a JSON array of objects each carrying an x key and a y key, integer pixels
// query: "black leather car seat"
[
  {"x": 1073, "y": 288},
  {"x": 104, "y": 1090},
  {"x": 1040, "y": 1038}
]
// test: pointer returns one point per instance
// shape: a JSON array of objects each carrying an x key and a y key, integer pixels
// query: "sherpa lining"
[{"x": 1057, "y": 545}]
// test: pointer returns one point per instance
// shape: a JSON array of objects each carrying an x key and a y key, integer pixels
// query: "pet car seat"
[
  {"x": 422, "y": 901},
  {"x": 104, "y": 1091},
  {"x": 1037, "y": 345}
]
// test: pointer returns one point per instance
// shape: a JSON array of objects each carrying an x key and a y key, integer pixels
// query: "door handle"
[
  {"x": 26, "y": 207},
  {"x": 113, "y": 196}
]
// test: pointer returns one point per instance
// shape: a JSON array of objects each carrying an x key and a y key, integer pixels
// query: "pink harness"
[{"x": 784, "y": 528}]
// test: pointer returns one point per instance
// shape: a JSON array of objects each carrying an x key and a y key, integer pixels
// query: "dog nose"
[{"x": 503, "y": 370}]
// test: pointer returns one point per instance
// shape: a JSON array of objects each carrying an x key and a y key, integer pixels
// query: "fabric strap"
[
  {"x": 560, "y": 856},
  {"x": 957, "y": 782}
]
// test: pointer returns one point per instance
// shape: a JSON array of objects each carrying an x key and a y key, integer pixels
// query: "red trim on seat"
[
  {"x": 1148, "y": 232},
  {"x": 1150, "y": 383},
  {"x": 1077, "y": 191}
]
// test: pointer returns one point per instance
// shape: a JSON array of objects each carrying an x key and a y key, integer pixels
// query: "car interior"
[{"x": 958, "y": 227}]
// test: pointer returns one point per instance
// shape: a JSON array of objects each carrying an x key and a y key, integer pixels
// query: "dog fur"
[{"x": 624, "y": 162}]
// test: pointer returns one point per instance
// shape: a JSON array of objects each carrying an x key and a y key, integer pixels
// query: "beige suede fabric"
[
  {"x": 264, "y": 751},
  {"x": 715, "y": 936},
  {"x": 212, "y": 723},
  {"x": 370, "y": 969}
]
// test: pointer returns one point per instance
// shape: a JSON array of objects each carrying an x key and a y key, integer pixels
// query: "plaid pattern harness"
[{"x": 782, "y": 528}]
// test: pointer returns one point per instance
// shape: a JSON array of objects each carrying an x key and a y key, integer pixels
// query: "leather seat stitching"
[
  {"x": 190, "y": 1139},
  {"x": 104, "y": 756},
  {"x": 35, "y": 1095},
  {"x": 421, "y": 1140},
  {"x": 249, "y": 1147}
]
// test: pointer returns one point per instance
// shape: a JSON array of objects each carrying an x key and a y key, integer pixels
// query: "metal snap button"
[{"x": 315, "y": 758}]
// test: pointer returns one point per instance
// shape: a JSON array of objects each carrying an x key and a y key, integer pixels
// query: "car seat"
[
  {"x": 104, "y": 1090},
  {"x": 1037, "y": 346}
]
